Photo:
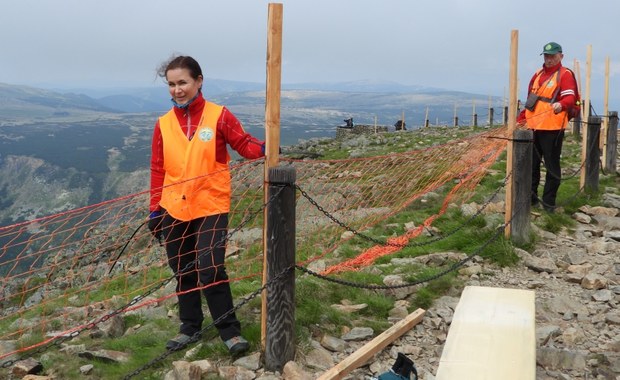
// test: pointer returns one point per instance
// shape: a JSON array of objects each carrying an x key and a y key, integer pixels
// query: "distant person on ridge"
[
  {"x": 551, "y": 94},
  {"x": 400, "y": 125},
  {"x": 190, "y": 199}
]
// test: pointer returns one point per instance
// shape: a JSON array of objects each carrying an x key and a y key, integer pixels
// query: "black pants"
[
  {"x": 547, "y": 146},
  {"x": 201, "y": 238}
]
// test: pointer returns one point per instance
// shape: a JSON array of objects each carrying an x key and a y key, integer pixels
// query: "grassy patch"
[{"x": 314, "y": 313}]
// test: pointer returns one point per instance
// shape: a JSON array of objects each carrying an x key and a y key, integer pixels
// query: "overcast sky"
[{"x": 453, "y": 44}]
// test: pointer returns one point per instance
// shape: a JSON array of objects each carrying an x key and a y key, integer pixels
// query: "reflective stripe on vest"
[
  {"x": 195, "y": 184},
  {"x": 543, "y": 118}
]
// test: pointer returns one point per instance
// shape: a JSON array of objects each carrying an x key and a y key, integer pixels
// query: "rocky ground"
[
  {"x": 576, "y": 278},
  {"x": 575, "y": 275}
]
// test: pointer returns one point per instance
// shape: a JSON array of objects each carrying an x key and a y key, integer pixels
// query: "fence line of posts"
[{"x": 278, "y": 299}]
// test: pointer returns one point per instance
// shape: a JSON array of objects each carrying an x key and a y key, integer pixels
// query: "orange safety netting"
[{"x": 65, "y": 273}]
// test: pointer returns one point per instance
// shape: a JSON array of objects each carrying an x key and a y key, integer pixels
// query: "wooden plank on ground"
[
  {"x": 492, "y": 336},
  {"x": 361, "y": 356}
]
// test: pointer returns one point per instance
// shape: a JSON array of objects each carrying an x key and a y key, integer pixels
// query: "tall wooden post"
[
  {"x": 490, "y": 116},
  {"x": 576, "y": 122},
  {"x": 605, "y": 110},
  {"x": 272, "y": 125},
  {"x": 511, "y": 163},
  {"x": 591, "y": 155},
  {"x": 426, "y": 122},
  {"x": 588, "y": 76},
  {"x": 280, "y": 337},
  {"x": 609, "y": 154}
]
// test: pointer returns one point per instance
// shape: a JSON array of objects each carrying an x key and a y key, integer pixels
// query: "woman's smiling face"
[{"x": 181, "y": 85}]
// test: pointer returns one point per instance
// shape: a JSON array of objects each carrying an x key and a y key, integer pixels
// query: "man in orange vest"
[
  {"x": 190, "y": 200},
  {"x": 551, "y": 93}
]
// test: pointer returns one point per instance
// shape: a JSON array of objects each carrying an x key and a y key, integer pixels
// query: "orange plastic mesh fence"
[{"x": 64, "y": 273}]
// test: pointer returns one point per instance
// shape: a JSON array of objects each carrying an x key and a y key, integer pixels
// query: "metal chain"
[
  {"x": 450, "y": 269},
  {"x": 410, "y": 245},
  {"x": 59, "y": 340},
  {"x": 247, "y": 299}
]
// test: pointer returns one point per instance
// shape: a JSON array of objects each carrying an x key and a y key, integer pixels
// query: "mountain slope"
[{"x": 23, "y": 101}]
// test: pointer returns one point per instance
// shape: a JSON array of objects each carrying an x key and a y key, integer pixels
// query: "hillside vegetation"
[{"x": 141, "y": 335}]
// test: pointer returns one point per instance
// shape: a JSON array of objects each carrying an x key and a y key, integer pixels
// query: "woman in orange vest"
[
  {"x": 551, "y": 93},
  {"x": 190, "y": 199}
]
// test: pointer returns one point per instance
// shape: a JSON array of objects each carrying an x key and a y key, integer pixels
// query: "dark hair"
[{"x": 180, "y": 62}]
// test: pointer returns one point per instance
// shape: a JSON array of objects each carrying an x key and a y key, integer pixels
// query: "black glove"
[{"x": 155, "y": 219}]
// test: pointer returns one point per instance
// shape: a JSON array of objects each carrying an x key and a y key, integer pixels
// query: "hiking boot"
[
  {"x": 182, "y": 340},
  {"x": 237, "y": 345}
]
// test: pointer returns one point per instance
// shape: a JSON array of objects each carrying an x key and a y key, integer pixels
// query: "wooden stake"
[
  {"x": 512, "y": 106},
  {"x": 576, "y": 122},
  {"x": 272, "y": 126},
  {"x": 367, "y": 351},
  {"x": 584, "y": 141},
  {"x": 603, "y": 140},
  {"x": 473, "y": 113},
  {"x": 577, "y": 70}
]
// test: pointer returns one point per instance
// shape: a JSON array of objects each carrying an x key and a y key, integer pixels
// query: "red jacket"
[
  {"x": 229, "y": 131},
  {"x": 568, "y": 88}
]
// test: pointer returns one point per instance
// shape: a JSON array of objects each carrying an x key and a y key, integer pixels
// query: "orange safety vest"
[
  {"x": 195, "y": 184},
  {"x": 542, "y": 117}
]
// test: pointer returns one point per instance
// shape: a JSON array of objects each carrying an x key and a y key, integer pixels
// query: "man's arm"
[{"x": 568, "y": 92}]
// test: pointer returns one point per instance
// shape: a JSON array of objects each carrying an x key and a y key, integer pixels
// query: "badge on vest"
[
  {"x": 205, "y": 134},
  {"x": 550, "y": 84}
]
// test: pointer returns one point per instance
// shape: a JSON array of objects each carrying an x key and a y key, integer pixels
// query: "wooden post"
[
  {"x": 588, "y": 76},
  {"x": 367, "y": 351},
  {"x": 521, "y": 186},
  {"x": 272, "y": 124},
  {"x": 375, "y": 124},
  {"x": 426, "y": 122},
  {"x": 456, "y": 118},
  {"x": 280, "y": 337},
  {"x": 591, "y": 154},
  {"x": 505, "y": 115},
  {"x": 609, "y": 156},
  {"x": 475, "y": 120},
  {"x": 514, "y": 54},
  {"x": 605, "y": 110},
  {"x": 576, "y": 122},
  {"x": 490, "y": 116}
]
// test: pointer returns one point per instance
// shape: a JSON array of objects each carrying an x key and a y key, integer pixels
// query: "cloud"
[{"x": 454, "y": 44}]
